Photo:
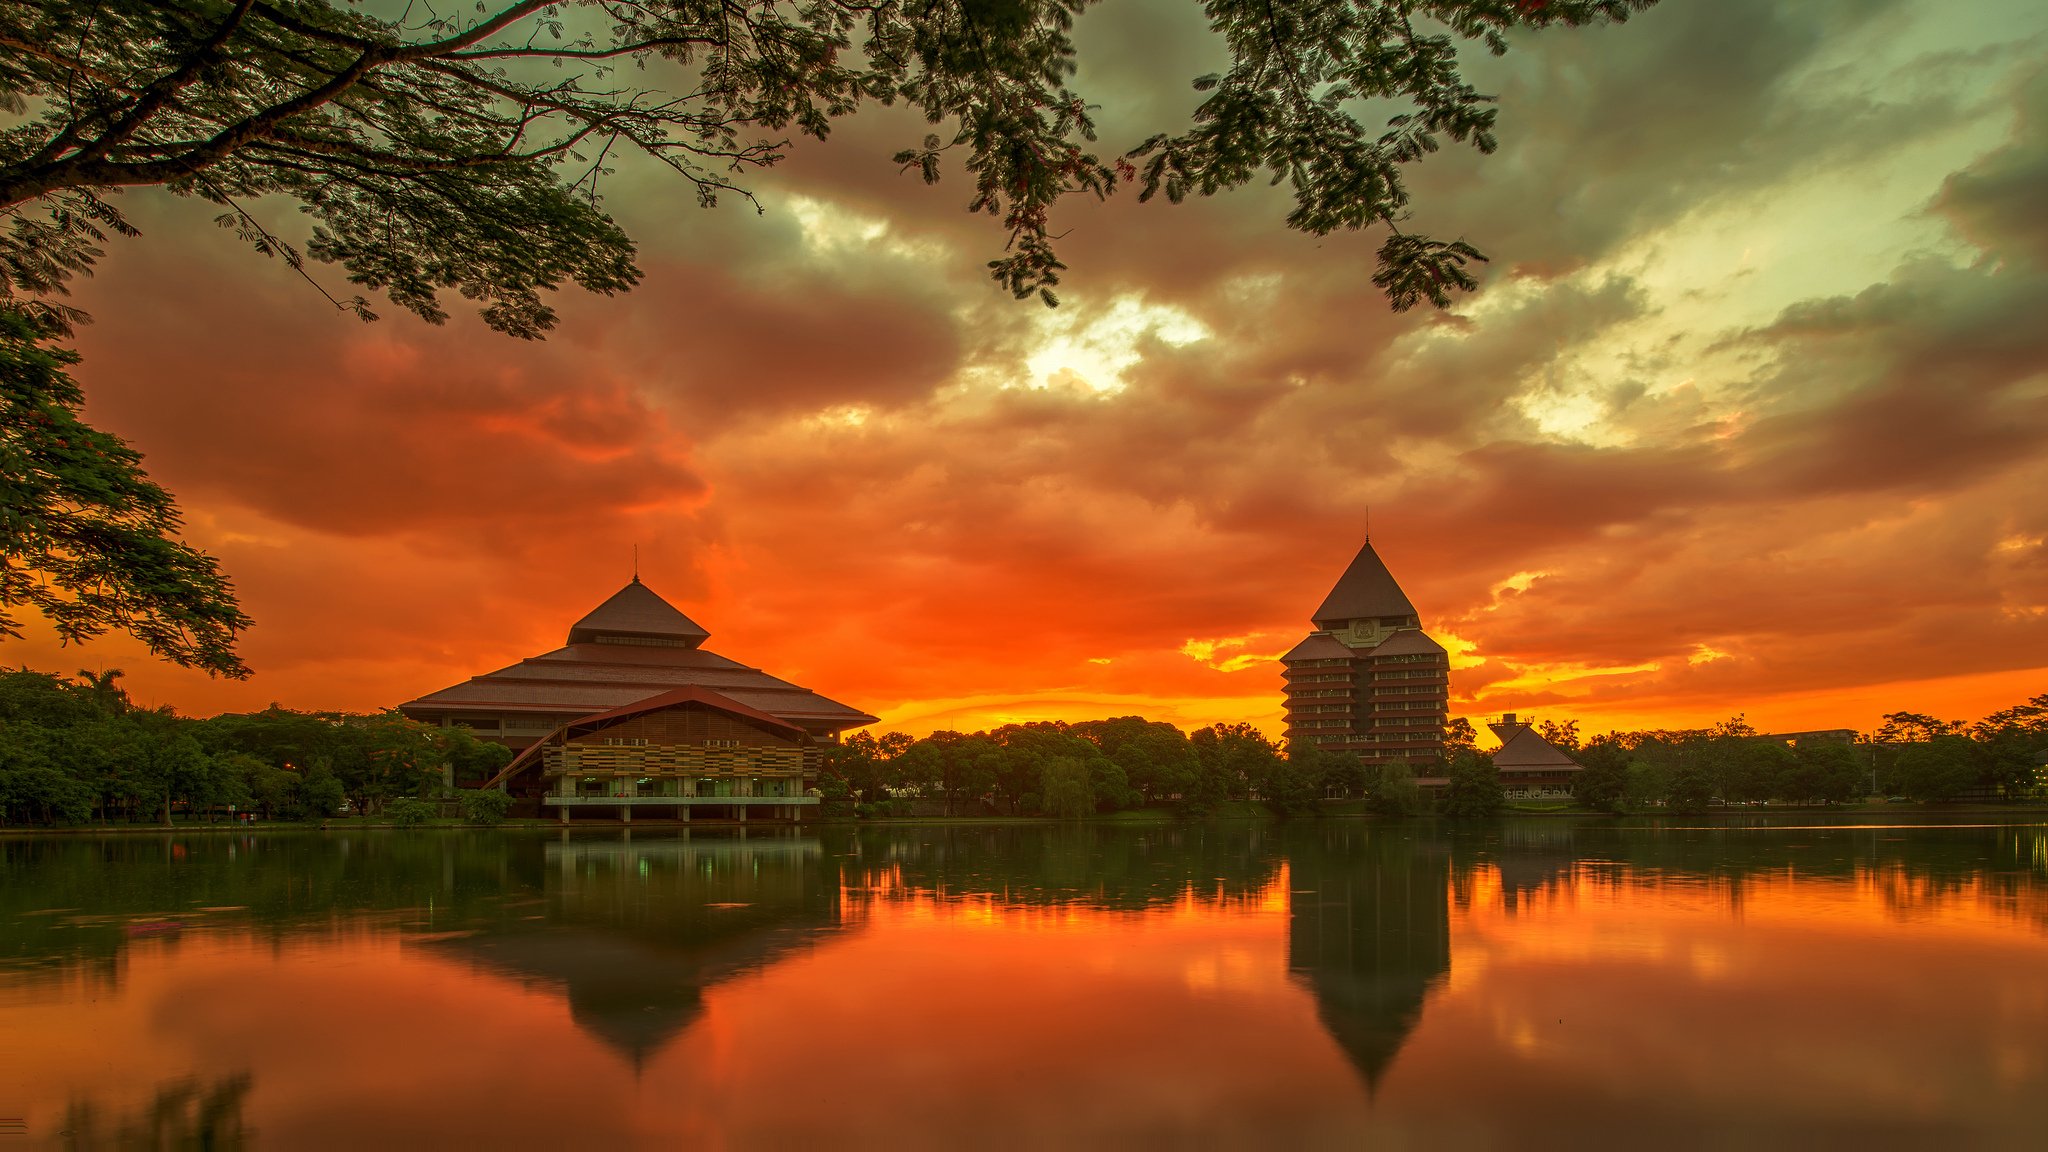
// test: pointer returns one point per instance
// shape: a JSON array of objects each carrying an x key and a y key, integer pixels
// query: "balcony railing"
[{"x": 668, "y": 801}]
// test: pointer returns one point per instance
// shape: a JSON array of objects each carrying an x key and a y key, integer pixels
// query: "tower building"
[{"x": 1368, "y": 680}]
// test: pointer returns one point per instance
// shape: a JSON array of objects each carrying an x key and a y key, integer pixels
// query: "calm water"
[{"x": 1540, "y": 984}]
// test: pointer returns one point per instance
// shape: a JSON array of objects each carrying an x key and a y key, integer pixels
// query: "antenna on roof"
[
  {"x": 636, "y": 563},
  {"x": 1368, "y": 523}
]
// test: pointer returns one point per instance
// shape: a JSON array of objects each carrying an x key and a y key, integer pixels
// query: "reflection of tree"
[
  {"x": 184, "y": 1115},
  {"x": 1096, "y": 865},
  {"x": 1368, "y": 933},
  {"x": 1915, "y": 870},
  {"x": 81, "y": 901}
]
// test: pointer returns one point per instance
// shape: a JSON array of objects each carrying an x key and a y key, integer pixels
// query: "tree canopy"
[
  {"x": 464, "y": 147},
  {"x": 86, "y": 538}
]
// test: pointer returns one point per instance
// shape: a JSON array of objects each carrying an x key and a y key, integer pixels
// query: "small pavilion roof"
[
  {"x": 1524, "y": 749},
  {"x": 1408, "y": 642},
  {"x": 1319, "y": 646},
  {"x": 637, "y": 612},
  {"x": 1366, "y": 590}
]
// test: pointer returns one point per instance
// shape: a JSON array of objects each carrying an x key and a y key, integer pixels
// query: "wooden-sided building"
[
  {"x": 689, "y": 750},
  {"x": 1368, "y": 680},
  {"x": 1530, "y": 766},
  {"x": 633, "y": 647}
]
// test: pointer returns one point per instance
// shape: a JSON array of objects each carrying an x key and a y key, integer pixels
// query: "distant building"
[
  {"x": 1819, "y": 736},
  {"x": 1368, "y": 680},
  {"x": 1529, "y": 765}
]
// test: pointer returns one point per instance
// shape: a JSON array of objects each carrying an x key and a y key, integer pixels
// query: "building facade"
[
  {"x": 1531, "y": 767},
  {"x": 1368, "y": 680},
  {"x": 632, "y": 648},
  {"x": 690, "y": 750}
]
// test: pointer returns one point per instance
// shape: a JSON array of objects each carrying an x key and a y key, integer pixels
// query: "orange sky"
[{"x": 1749, "y": 415}]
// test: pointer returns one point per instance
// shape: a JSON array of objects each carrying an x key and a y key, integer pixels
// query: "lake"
[{"x": 1546, "y": 983}]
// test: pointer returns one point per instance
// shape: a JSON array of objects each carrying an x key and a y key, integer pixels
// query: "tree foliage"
[
  {"x": 464, "y": 147},
  {"x": 1394, "y": 791},
  {"x": 1473, "y": 789},
  {"x": 87, "y": 539},
  {"x": 77, "y": 750}
]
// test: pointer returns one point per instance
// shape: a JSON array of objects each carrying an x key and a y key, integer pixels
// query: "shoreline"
[{"x": 2029, "y": 812}]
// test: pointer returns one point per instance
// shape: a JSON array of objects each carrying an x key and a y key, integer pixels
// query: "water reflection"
[
  {"x": 634, "y": 931},
  {"x": 182, "y": 1114},
  {"x": 1540, "y": 981},
  {"x": 1369, "y": 933}
]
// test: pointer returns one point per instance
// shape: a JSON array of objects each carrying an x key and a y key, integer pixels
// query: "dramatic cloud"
[{"x": 1750, "y": 415}]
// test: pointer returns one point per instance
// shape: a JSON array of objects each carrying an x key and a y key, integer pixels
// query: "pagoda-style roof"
[
  {"x": 1319, "y": 646},
  {"x": 632, "y": 647},
  {"x": 636, "y": 612},
  {"x": 1365, "y": 591},
  {"x": 1523, "y": 750}
]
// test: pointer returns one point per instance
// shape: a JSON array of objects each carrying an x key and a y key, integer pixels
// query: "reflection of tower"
[
  {"x": 1368, "y": 933},
  {"x": 636, "y": 930}
]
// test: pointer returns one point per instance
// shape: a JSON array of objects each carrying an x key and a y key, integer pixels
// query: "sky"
[{"x": 1750, "y": 414}]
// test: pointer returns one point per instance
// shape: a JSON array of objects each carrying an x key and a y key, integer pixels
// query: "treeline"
[
  {"x": 1912, "y": 755},
  {"x": 1055, "y": 768},
  {"x": 73, "y": 750}
]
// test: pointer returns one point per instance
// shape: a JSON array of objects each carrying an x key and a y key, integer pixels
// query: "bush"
[
  {"x": 485, "y": 806},
  {"x": 1692, "y": 789},
  {"x": 321, "y": 794},
  {"x": 1473, "y": 791},
  {"x": 1394, "y": 792},
  {"x": 408, "y": 812}
]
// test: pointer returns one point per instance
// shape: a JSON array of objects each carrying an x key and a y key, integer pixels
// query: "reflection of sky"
[
  {"x": 1600, "y": 1002},
  {"x": 1750, "y": 395}
]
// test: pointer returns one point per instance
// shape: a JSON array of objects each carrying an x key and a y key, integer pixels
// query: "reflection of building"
[
  {"x": 1368, "y": 680},
  {"x": 1369, "y": 933},
  {"x": 636, "y": 931},
  {"x": 1529, "y": 765},
  {"x": 1532, "y": 858},
  {"x": 685, "y": 750},
  {"x": 632, "y": 646}
]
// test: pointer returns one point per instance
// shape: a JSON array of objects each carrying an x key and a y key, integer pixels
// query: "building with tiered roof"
[
  {"x": 635, "y": 712},
  {"x": 1368, "y": 680},
  {"x": 633, "y": 646}
]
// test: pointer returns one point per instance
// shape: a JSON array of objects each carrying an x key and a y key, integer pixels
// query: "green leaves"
[
  {"x": 86, "y": 538},
  {"x": 467, "y": 150}
]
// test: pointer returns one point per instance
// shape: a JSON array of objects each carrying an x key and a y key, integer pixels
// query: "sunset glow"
[{"x": 1749, "y": 415}]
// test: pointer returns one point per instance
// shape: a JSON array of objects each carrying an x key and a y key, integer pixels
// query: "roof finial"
[
  {"x": 636, "y": 563},
  {"x": 1368, "y": 523}
]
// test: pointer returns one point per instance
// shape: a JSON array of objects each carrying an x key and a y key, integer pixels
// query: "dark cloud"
[{"x": 1997, "y": 202}]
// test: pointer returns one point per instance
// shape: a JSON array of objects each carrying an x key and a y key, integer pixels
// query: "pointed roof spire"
[
  {"x": 1365, "y": 590},
  {"x": 635, "y": 612}
]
